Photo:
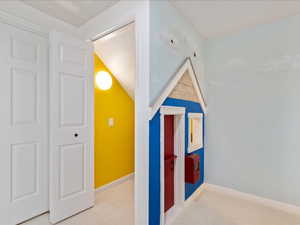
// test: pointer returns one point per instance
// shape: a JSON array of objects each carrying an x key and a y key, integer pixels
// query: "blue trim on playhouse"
[{"x": 154, "y": 157}]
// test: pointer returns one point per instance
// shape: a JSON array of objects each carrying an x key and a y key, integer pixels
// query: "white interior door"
[
  {"x": 23, "y": 125},
  {"x": 71, "y": 126}
]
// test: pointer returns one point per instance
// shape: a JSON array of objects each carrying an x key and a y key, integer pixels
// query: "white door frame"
[
  {"x": 179, "y": 149},
  {"x": 139, "y": 13}
]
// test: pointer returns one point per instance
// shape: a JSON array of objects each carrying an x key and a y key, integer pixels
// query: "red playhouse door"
[{"x": 169, "y": 161}]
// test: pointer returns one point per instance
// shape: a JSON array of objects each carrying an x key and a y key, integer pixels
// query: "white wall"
[
  {"x": 254, "y": 106},
  {"x": 166, "y": 22}
]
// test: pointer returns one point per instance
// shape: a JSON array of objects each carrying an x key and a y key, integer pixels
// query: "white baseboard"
[
  {"x": 115, "y": 182},
  {"x": 260, "y": 200},
  {"x": 194, "y": 195}
]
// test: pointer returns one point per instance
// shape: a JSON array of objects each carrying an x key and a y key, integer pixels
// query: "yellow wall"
[{"x": 114, "y": 146}]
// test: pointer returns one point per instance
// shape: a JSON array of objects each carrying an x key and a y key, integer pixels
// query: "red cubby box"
[{"x": 192, "y": 168}]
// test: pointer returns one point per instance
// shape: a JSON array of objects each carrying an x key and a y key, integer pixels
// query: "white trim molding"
[
  {"x": 172, "y": 110},
  {"x": 185, "y": 67},
  {"x": 195, "y": 115},
  {"x": 22, "y": 24},
  {"x": 115, "y": 182},
  {"x": 195, "y": 195},
  {"x": 25, "y": 17},
  {"x": 254, "y": 198},
  {"x": 288, "y": 208},
  {"x": 195, "y": 146},
  {"x": 179, "y": 149}
]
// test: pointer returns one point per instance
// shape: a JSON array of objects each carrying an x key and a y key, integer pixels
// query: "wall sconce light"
[{"x": 103, "y": 80}]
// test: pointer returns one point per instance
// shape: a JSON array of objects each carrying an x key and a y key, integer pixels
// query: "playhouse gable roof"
[
  {"x": 185, "y": 89},
  {"x": 184, "y": 85}
]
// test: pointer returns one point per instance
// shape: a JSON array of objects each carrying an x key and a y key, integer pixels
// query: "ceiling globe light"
[{"x": 103, "y": 80}]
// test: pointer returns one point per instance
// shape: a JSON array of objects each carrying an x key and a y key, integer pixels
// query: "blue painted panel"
[
  {"x": 154, "y": 171},
  {"x": 154, "y": 164}
]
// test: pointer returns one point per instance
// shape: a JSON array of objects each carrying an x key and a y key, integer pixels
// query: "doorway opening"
[
  {"x": 114, "y": 122},
  {"x": 172, "y": 129}
]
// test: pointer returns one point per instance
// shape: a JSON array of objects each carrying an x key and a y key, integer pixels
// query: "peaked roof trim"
[{"x": 186, "y": 66}]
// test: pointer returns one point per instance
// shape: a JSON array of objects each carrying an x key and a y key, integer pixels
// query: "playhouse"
[{"x": 176, "y": 145}]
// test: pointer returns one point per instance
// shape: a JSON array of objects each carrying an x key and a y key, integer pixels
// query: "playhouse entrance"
[{"x": 172, "y": 161}]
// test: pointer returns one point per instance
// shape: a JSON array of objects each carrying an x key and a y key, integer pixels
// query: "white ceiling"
[
  {"x": 117, "y": 51},
  {"x": 219, "y": 17},
  {"x": 210, "y": 17},
  {"x": 75, "y": 12}
]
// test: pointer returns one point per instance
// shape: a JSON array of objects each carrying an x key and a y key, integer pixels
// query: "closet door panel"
[{"x": 24, "y": 127}]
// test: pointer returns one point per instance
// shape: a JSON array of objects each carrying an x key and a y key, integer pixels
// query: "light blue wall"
[
  {"x": 164, "y": 60},
  {"x": 253, "y": 123}
]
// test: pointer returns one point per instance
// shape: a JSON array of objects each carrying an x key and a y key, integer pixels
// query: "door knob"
[{"x": 76, "y": 135}]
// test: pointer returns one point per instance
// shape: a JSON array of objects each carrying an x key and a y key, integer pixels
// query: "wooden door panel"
[{"x": 169, "y": 161}]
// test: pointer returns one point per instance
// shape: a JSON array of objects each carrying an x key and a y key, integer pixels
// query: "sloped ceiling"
[
  {"x": 117, "y": 51},
  {"x": 75, "y": 12},
  {"x": 218, "y": 17}
]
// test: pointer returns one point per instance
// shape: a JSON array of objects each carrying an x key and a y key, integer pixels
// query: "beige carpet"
[
  {"x": 113, "y": 206},
  {"x": 214, "y": 208}
]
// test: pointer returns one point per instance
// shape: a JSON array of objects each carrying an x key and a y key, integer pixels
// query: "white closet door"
[
  {"x": 71, "y": 126},
  {"x": 23, "y": 125}
]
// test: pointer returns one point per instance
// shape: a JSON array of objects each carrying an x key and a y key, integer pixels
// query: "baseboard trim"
[
  {"x": 254, "y": 198},
  {"x": 114, "y": 183},
  {"x": 192, "y": 198}
]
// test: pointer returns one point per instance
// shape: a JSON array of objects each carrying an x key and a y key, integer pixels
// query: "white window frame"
[{"x": 193, "y": 147}]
